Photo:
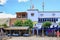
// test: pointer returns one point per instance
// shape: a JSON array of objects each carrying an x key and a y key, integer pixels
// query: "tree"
[
  {"x": 18, "y": 23},
  {"x": 26, "y": 23},
  {"x": 29, "y": 23},
  {"x": 46, "y": 24},
  {"x": 59, "y": 23},
  {"x": 4, "y": 25}
]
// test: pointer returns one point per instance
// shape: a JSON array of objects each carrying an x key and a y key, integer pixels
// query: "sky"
[{"x": 13, "y": 6}]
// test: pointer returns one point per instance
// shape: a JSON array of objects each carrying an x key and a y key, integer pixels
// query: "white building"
[{"x": 39, "y": 16}]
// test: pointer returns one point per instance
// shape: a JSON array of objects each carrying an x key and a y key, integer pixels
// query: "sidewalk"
[{"x": 34, "y": 38}]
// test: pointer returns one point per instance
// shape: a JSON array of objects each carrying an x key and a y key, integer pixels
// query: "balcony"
[{"x": 21, "y": 15}]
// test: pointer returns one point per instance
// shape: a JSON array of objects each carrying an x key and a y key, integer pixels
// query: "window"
[
  {"x": 56, "y": 19},
  {"x": 19, "y": 16},
  {"x": 41, "y": 14},
  {"x": 24, "y": 16},
  {"x": 32, "y": 14},
  {"x": 47, "y": 19},
  {"x": 53, "y": 14}
]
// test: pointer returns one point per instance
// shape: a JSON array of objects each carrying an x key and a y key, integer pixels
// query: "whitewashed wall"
[{"x": 33, "y": 18}]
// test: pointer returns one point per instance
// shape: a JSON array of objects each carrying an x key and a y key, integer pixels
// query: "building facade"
[
  {"x": 37, "y": 16},
  {"x": 40, "y": 16},
  {"x": 19, "y": 16}
]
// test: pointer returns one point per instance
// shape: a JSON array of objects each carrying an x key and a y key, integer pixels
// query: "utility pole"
[
  {"x": 31, "y": 5},
  {"x": 43, "y": 6},
  {"x": 43, "y": 12}
]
